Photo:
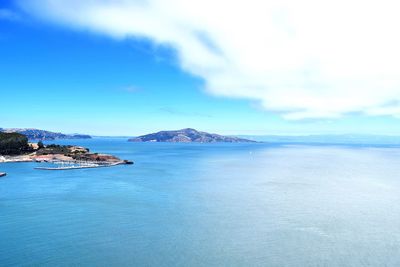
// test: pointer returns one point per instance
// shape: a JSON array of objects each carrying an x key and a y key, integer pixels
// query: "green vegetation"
[
  {"x": 13, "y": 144},
  {"x": 60, "y": 149},
  {"x": 40, "y": 144},
  {"x": 53, "y": 149}
]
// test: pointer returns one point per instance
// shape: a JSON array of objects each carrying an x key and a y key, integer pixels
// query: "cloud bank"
[{"x": 303, "y": 59}]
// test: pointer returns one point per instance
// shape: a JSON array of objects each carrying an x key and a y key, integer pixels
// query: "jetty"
[
  {"x": 2, "y": 174},
  {"x": 73, "y": 165}
]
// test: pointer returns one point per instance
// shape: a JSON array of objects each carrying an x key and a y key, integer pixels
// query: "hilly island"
[{"x": 188, "y": 135}]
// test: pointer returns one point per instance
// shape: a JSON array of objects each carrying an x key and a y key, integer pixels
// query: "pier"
[{"x": 73, "y": 165}]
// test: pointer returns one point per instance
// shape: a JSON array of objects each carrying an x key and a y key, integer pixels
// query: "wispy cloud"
[
  {"x": 177, "y": 112},
  {"x": 131, "y": 89},
  {"x": 8, "y": 14},
  {"x": 303, "y": 59}
]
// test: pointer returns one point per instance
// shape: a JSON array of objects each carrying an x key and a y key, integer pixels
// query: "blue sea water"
[{"x": 206, "y": 205}]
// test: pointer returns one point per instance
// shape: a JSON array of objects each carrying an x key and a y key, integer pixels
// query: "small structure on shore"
[{"x": 2, "y": 174}]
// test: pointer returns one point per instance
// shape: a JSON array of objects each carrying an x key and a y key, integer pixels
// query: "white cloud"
[{"x": 304, "y": 59}]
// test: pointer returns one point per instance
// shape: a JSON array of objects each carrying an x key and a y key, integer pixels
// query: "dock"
[{"x": 2, "y": 174}]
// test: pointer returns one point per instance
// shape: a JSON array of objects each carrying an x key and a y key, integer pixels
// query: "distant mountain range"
[
  {"x": 44, "y": 135},
  {"x": 327, "y": 139},
  {"x": 187, "y": 136}
]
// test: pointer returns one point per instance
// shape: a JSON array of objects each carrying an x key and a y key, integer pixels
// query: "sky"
[{"x": 130, "y": 67}]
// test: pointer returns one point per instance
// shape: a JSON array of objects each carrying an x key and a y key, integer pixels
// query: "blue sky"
[{"x": 67, "y": 78}]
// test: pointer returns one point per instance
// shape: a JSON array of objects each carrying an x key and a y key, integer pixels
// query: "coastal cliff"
[{"x": 188, "y": 135}]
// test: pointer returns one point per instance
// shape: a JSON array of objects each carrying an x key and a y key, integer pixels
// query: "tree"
[
  {"x": 13, "y": 143},
  {"x": 40, "y": 144}
]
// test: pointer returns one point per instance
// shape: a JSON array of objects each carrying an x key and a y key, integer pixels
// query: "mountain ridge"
[{"x": 38, "y": 134}]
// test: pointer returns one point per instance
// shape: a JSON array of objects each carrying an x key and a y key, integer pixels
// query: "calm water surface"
[{"x": 206, "y": 205}]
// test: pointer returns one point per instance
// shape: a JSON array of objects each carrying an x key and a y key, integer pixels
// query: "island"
[
  {"x": 188, "y": 135},
  {"x": 36, "y": 134},
  {"x": 14, "y": 147}
]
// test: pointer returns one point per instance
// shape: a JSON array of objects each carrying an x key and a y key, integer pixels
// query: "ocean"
[{"x": 206, "y": 205}]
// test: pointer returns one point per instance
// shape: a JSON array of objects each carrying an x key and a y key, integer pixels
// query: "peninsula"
[
  {"x": 14, "y": 147},
  {"x": 188, "y": 135}
]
